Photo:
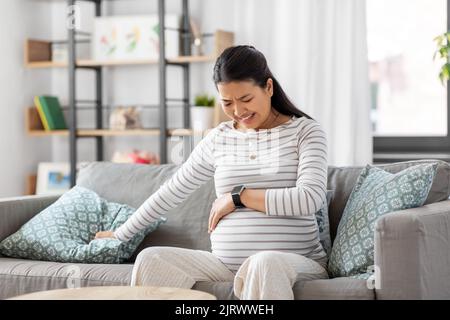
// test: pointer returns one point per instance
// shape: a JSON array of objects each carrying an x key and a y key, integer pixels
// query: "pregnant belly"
[{"x": 245, "y": 232}]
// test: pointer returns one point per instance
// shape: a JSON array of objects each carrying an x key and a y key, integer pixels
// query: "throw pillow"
[
  {"x": 375, "y": 193},
  {"x": 323, "y": 224},
  {"x": 64, "y": 231}
]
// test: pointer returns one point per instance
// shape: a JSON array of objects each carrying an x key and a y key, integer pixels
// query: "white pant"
[{"x": 264, "y": 275}]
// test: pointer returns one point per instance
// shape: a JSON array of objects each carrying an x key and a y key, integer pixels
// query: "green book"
[{"x": 53, "y": 112}]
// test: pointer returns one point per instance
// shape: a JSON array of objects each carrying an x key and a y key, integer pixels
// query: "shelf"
[
  {"x": 43, "y": 133},
  {"x": 192, "y": 59},
  {"x": 38, "y": 53},
  {"x": 35, "y": 128},
  {"x": 94, "y": 133},
  {"x": 45, "y": 64},
  {"x": 187, "y": 132},
  {"x": 112, "y": 63},
  {"x": 114, "y": 133}
]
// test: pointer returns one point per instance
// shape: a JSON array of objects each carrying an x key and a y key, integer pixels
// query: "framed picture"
[
  {"x": 53, "y": 178},
  {"x": 133, "y": 37}
]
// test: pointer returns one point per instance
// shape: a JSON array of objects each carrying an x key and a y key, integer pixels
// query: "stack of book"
[{"x": 50, "y": 112}]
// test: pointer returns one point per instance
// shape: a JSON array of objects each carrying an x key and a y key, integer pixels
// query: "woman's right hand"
[
  {"x": 105, "y": 234},
  {"x": 221, "y": 207}
]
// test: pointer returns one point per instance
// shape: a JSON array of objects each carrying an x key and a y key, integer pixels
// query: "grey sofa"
[{"x": 412, "y": 247}]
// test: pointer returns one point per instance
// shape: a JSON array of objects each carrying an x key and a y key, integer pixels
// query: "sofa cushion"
[
  {"x": 342, "y": 180},
  {"x": 18, "y": 276},
  {"x": 342, "y": 288},
  {"x": 375, "y": 193},
  {"x": 65, "y": 230},
  {"x": 321, "y": 289}
]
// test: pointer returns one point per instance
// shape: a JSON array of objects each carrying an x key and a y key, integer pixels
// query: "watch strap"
[{"x": 236, "y": 196}]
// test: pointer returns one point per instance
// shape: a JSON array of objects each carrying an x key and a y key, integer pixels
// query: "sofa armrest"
[
  {"x": 412, "y": 253},
  {"x": 14, "y": 212}
]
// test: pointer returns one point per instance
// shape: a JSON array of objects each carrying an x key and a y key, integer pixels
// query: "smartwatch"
[{"x": 236, "y": 195}]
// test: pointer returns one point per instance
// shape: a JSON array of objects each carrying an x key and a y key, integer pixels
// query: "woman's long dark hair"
[{"x": 243, "y": 63}]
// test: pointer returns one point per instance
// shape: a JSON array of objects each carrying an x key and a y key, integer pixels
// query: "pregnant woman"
[{"x": 269, "y": 164}]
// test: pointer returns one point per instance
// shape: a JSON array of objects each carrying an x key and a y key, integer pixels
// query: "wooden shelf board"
[
  {"x": 43, "y": 133},
  {"x": 45, "y": 64},
  {"x": 191, "y": 59},
  {"x": 111, "y": 133},
  {"x": 187, "y": 132},
  {"x": 94, "y": 63},
  {"x": 107, "y": 132}
]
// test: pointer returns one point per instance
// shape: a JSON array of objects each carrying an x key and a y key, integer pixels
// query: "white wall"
[{"x": 19, "y": 154}]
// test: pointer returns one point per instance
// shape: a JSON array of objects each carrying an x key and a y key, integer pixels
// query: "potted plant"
[
  {"x": 202, "y": 112},
  {"x": 443, "y": 51}
]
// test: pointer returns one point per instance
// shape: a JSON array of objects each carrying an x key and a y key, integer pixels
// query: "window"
[{"x": 409, "y": 107}]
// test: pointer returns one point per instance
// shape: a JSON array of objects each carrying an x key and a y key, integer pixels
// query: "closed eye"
[{"x": 227, "y": 104}]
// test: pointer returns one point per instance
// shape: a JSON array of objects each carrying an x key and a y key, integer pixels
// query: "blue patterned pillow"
[
  {"x": 323, "y": 224},
  {"x": 375, "y": 193},
  {"x": 64, "y": 231}
]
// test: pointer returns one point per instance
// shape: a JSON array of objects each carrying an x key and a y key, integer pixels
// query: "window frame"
[{"x": 416, "y": 144}]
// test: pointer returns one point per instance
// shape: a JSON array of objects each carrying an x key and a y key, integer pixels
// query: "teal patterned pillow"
[
  {"x": 323, "y": 224},
  {"x": 375, "y": 193},
  {"x": 64, "y": 231}
]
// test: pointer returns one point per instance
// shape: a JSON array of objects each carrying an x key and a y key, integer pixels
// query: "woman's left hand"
[{"x": 221, "y": 207}]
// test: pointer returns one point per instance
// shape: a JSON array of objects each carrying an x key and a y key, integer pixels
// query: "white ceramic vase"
[{"x": 202, "y": 118}]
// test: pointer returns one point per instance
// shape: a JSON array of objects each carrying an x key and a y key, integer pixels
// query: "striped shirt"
[{"x": 288, "y": 161}]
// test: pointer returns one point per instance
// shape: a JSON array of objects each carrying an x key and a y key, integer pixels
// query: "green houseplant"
[
  {"x": 443, "y": 50},
  {"x": 204, "y": 100},
  {"x": 202, "y": 112}
]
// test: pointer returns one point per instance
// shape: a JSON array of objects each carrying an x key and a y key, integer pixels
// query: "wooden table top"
[{"x": 118, "y": 293}]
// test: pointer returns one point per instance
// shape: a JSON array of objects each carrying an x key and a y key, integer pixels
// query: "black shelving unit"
[{"x": 98, "y": 102}]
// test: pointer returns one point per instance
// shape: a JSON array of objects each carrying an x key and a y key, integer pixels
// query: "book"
[
  {"x": 44, "y": 121},
  {"x": 53, "y": 112}
]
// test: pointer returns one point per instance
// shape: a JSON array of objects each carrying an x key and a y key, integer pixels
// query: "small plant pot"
[{"x": 202, "y": 118}]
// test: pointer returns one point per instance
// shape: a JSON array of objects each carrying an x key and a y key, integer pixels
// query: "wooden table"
[{"x": 118, "y": 293}]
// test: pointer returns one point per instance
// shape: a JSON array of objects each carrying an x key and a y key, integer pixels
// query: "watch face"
[{"x": 237, "y": 190}]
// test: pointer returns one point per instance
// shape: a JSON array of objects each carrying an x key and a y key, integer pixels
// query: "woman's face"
[{"x": 245, "y": 102}]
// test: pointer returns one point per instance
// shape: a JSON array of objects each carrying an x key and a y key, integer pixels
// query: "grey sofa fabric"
[
  {"x": 14, "y": 212},
  {"x": 323, "y": 289},
  {"x": 333, "y": 289},
  {"x": 187, "y": 227},
  {"x": 412, "y": 252},
  {"x": 20, "y": 276}
]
